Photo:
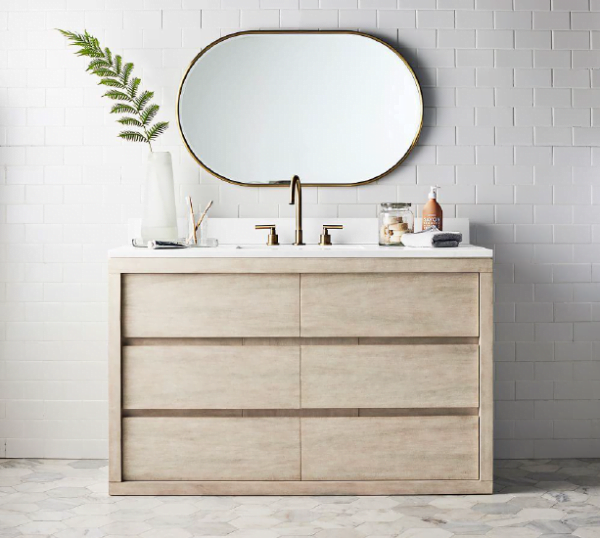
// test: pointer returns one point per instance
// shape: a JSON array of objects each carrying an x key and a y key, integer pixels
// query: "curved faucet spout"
[{"x": 296, "y": 199}]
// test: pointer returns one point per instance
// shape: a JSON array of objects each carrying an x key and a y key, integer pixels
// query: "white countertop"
[{"x": 307, "y": 251}]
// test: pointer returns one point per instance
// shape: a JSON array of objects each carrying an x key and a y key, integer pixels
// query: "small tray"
[{"x": 170, "y": 245}]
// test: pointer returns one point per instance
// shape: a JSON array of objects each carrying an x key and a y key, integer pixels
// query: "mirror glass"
[{"x": 334, "y": 108}]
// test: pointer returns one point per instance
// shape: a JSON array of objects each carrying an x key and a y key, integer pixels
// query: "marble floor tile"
[{"x": 68, "y": 499}]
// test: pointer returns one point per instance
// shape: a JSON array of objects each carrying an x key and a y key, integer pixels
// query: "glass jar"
[{"x": 395, "y": 219}]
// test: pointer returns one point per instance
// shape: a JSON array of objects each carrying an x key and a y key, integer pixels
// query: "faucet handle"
[
  {"x": 273, "y": 239},
  {"x": 325, "y": 239}
]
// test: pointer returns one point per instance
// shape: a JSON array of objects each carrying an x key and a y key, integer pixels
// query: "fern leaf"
[
  {"x": 122, "y": 108},
  {"x": 133, "y": 86},
  {"x": 148, "y": 114},
  {"x": 115, "y": 83},
  {"x": 127, "y": 69},
  {"x": 157, "y": 129},
  {"x": 104, "y": 72},
  {"x": 97, "y": 63},
  {"x": 117, "y": 95},
  {"x": 88, "y": 45},
  {"x": 133, "y": 136},
  {"x": 141, "y": 101},
  {"x": 128, "y": 120},
  {"x": 113, "y": 72}
]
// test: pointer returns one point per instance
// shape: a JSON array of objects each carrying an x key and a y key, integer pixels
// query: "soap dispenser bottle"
[{"x": 432, "y": 211}]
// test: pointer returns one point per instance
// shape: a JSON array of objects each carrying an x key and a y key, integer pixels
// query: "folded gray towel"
[
  {"x": 432, "y": 237},
  {"x": 446, "y": 236},
  {"x": 445, "y": 244}
]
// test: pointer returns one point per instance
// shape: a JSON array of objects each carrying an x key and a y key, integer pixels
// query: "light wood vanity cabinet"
[{"x": 300, "y": 375}]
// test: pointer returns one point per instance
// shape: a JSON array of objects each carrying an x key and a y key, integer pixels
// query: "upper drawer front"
[
  {"x": 203, "y": 305},
  {"x": 388, "y": 305},
  {"x": 211, "y": 377},
  {"x": 186, "y": 448},
  {"x": 399, "y": 448},
  {"x": 382, "y": 376}
]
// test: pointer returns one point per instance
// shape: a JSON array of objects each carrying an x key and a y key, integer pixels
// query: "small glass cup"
[{"x": 395, "y": 219}]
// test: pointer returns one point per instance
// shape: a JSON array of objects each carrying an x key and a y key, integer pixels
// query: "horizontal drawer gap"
[
  {"x": 306, "y": 413},
  {"x": 293, "y": 341}
]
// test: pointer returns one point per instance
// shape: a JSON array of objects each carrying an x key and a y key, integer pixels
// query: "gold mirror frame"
[{"x": 286, "y": 183}]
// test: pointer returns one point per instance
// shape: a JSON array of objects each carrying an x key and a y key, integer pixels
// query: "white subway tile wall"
[{"x": 512, "y": 129}]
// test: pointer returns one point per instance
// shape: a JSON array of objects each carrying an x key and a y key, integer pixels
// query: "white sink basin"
[{"x": 300, "y": 248}]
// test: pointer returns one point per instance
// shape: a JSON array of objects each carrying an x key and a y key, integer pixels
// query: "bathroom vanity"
[{"x": 301, "y": 370}]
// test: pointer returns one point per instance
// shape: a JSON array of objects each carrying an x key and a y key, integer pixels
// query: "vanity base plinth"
[{"x": 303, "y": 487}]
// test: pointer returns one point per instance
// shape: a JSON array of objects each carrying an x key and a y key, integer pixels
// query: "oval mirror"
[{"x": 335, "y": 108}]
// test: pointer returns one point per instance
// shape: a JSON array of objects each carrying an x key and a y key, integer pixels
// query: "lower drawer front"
[
  {"x": 187, "y": 448},
  {"x": 211, "y": 377},
  {"x": 390, "y": 376},
  {"x": 398, "y": 448}
]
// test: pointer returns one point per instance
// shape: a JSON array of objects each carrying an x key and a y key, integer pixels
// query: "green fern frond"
[
  {"x": 157, "y": 129},
  {"x": 122, "y": 108},
  {"x": 148, "y": 114},
  {"x": 97, "y": 63},
  {"x": 128, "y": 120},
  {"x": 117, "y": 75},
  {"x": 104, "y": 72},
  {"x": 133, "y": 87},
  {"x": 141, "y": 101},
  {"x": 112, "y": 82},
  {"x": 117, "y": 95},
  {"x": 127, "y": 69},
  {"x": 133, "y": 136}
]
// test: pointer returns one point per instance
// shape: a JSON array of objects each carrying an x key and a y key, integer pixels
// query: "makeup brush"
[
  {"x": 192, "y": 236},
  {"x": 208, "y": 206}
]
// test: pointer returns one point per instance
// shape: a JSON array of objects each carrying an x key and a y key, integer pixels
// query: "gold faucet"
[{"x": 296, "y": 199}]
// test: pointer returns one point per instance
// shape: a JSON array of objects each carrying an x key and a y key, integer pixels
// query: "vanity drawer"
[
  {"x": 210, "y": 305},
  {"x": 390, "y": 448},
  {"x": 211, "y": 377},
  {"x": 390, "y": 305},
  {"x": 390, "y": 376},
  {"x": 187, "y": 448}
]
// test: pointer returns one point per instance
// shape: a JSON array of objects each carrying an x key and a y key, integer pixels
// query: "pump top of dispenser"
[{"x": 433, "y": 192}]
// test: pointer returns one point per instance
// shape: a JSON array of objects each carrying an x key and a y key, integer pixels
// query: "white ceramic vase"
[{"x": 159, "y": 219}]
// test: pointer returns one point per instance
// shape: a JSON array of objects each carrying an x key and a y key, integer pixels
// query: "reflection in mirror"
[{"x": 335, "y": 108}]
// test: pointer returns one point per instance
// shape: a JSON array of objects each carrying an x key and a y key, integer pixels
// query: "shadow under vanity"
[{"x": 301, "y": 370}]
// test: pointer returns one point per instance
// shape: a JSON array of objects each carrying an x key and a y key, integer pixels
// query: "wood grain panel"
[
  {"x": 405, "y": 448},
  {"x": 486, "y": 412},
  {"x": 390, "y": 305},
  {"x": 211, "y": 448},
  {"x": 216, "y": 306},
  {"x": 211, "y": 377},
  {"x": 304, "y": 487},
  {"x": 412, "y": 376},
  {"x": 296, "y": 266}
]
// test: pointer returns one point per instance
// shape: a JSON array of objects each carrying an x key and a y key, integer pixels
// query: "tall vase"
[{"x": 159, "y": 220}]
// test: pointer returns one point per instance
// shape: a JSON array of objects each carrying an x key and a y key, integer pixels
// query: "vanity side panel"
[
  {"x": 486, "y": 352},
  {"x": 388, "y": 305},
  {"x": 390, "y": 376},
  {"x": 210, "y": 305},
  {"x": 211, "y": 377},
  {"x": 114, "y": 377},
  {"x": 206, "y": 448},
  {"x": 390, "y": 448}
]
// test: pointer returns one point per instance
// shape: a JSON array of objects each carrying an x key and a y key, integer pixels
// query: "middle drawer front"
[
  {"x": 188, "y": 448},
  {"x": 211, "y": 377},
  {"x": 390, "y": 376}
]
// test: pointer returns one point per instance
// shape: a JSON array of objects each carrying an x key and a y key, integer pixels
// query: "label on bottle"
[{"x": 432, "y": 220}]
